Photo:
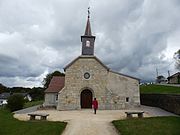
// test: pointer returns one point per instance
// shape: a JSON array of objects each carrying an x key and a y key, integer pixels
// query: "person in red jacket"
[{"x": 95, "y": 105}]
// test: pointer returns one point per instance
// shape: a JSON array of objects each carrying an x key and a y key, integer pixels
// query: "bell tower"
[{"x": 87, "y": 39}]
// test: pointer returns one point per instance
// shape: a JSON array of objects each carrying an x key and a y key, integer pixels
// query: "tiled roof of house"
[{"x": 56, "y": 84}]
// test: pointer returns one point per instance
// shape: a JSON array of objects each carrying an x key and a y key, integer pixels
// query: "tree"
[
  {"x": 37, "y": 93},
  {"x": 49, "y": 76},
  {"x": 19, "y": 90},
  {"x": 15, "y": 102},
  {"x": 177, "y": 59},
  {"x": 2, "y": 88}
]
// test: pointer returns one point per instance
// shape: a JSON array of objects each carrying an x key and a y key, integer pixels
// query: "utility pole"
[
  {"x": 157, "y": 72},
  {"x": 168, "y": 73},
  {"x": 156, "y": 75}
]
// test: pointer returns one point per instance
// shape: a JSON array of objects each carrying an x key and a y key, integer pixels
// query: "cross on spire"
[
  {"x": 88, "y": 26},
  {"x": 88, "y": 12}
]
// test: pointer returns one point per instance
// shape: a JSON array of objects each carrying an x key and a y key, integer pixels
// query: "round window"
[{"x": 86, "y": 75}]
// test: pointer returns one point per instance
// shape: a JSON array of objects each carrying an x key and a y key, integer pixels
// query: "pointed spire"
[{"x": 88, "y": 26}]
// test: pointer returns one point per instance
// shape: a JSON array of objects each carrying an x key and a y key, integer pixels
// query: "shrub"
[{"x": 15, "y": 102}]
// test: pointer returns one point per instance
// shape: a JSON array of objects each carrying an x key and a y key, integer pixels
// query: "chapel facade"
[{"x": 86, "y": 77}]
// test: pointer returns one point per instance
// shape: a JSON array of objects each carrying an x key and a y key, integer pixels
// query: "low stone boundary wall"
[
  {"x": 46, "y": 107},
  {"x": 167, "y": 102}
]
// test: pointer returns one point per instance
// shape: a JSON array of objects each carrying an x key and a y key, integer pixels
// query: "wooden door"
[{"x": 86, "y": 99}]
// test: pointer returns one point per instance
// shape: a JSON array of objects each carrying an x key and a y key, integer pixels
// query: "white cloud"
[{"x": 133, "y": 37}]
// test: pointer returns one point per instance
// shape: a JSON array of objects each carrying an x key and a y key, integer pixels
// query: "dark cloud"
[
  {"x": 132, "y": 37},
  {"x": 11, "y": 67}
]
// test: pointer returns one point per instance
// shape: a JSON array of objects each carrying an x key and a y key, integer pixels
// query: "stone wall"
[
  {"x": 69, "y": 97},
  {"x": 167, "y": 102},
  {"x": 110, "y": 89},
  {"x": 174, "y": 80},
  {"x": 50, "y": 99},
  {"x": 121, "y": 88}
]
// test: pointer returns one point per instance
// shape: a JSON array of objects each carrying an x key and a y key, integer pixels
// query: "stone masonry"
[{"x": 111, "y": 89}]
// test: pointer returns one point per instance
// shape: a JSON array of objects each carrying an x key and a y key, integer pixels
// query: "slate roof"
[
  {"x": 176, "y": 74},
  {"x": 88, "y": 29},
  {"x": 56, "y": 84},
  {"x": 4, "y": 95}
]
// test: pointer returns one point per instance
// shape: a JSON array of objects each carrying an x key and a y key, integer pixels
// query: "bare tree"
[{"x": 177, "y": 59}]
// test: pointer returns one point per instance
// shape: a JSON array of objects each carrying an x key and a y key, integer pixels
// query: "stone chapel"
[{"x": 87, "y": 77}]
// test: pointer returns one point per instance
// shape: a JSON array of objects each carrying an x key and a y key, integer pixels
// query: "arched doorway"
[{"x": 86, "y": 99}]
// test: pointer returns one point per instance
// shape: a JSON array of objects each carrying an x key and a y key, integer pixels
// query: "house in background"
[
  {"x": 51, "y": 93},
  {"x": 161, "y": 79},
  {"x": 174, "y": 79},
  {"x": 4, "y": 97},
  {"x": 25, "y": 95}
]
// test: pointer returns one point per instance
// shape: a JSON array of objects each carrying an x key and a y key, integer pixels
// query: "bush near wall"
[
  {"x": 167, "y": 102},
  {"x": 15, "y": 102}
]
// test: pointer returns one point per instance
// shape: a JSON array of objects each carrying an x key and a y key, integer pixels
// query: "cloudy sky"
[{"x": 133, "y": 37}]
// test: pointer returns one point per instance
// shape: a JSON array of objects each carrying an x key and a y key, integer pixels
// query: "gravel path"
[
  {"x": 155, "y": 111},
  {"x": 84, "y": 122},
  {"x": 27, "y": 110}
]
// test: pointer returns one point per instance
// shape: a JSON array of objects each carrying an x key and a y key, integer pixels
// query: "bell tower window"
[{"x": 88, "y": 43}]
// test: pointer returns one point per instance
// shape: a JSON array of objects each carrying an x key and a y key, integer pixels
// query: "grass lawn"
[
  {"x": 149, "y": 126},
  {"x": 33, "y": 103},
  {"x": 12, "y": 126},
  {"x": 160, "y": 89}
]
